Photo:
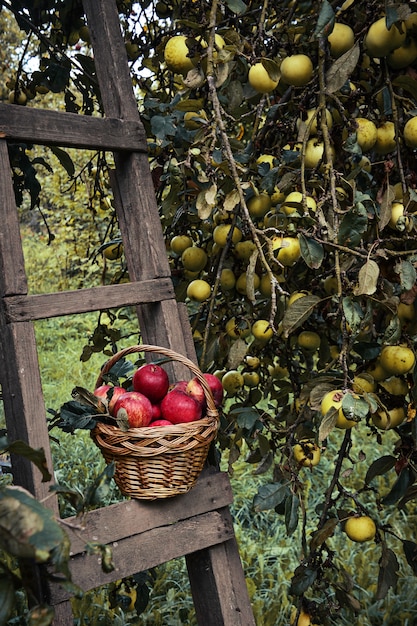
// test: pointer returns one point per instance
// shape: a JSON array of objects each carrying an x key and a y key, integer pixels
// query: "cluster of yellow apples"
[{"x": 385, "y": 377}]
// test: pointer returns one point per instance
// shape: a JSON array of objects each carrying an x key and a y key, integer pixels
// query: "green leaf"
[
  {"x": 354, "y": 408},
  {"x": 311, "y": 251},
  {"x": 399, "y": 488},
  {"x": 393, "y": 331},
  {"x": 367, "y": 279},
  {"x": 236, "y": 6},
  {"x": 73, "y": 415},
  {"x": 388, "y": 572},
  {"x": 327, "y": 424},
  {"x": 353, "y": 226},
  {"x": 379, "y": 467},
  {"x": 162, "y": 126},
  {"x": 57, "y": 74},
  {"x": 325, "y": 20},
  {"x": 27, "y": 528},
  {"x": 342, "y": 68},
  {"x": 353, "y": 313},
  {"x": 65, "y": 160},
  {"x": 106, "y": 553},
  {"x": 296, "y": 314},
  {"x": 407, "y": 273},
  {"x": 247, "y": 417},
  {"x": 410, "y": 551},
  {"x": 292, "y": 504},
  {"x": 35, "y": 456},
  {"x": 385, "y": 208},
  {"x": 303, "y": 578},
  {"x": 368, "y": 351},
  {"x": 407, "y": 83},
  {"x": 269, "y": 496},
  {"x": 324, "y": 533}
]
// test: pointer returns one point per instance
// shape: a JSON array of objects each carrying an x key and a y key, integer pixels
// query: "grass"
[{"x": 269, "y": 557}]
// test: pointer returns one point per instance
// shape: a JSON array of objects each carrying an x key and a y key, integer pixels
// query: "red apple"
[
  {"x": 109, "y": 394},
  {"x": 216, "y": 388},
  {"x": 180, "y": 384},
  {"x": 179, "y": 407},
  {"x": 101, "y": 392},
  {"x": 156, "y": 411},
  {"x": 160, "y": 423},
  {"x": 134, "y": 406},
  {"x": 151, "y": 380},
  {"x": 195, "y": 389},
  {"x": 114, "y": 393}
]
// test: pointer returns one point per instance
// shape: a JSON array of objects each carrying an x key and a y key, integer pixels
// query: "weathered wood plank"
[
  {"x": 40, "y": 306},
  {"x": 218, "y": 586},
  {"x": 46, "y": 127},
  {"x": 212, "y": 491},
  {"x": 24, "y": 405},
  {"x": 12, "y": 264},
  {"x": 133, "y": 190},
  {"x": 151, "y": 548}
]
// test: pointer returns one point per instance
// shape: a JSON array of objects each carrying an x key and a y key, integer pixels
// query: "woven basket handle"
[{"x": 174, "y": 356}]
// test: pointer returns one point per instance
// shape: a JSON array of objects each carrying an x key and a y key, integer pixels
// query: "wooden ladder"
[{"x": 198, "y": 524}]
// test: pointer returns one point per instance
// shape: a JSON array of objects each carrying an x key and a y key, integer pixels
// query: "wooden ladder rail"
[{"x": 215, "y": 571}]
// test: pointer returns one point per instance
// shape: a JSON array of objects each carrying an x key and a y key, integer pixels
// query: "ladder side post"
[
  {"x": 12, "y": 265},
  {"x": 218, "y": 586},
  {"x": 20, "y": 375}
]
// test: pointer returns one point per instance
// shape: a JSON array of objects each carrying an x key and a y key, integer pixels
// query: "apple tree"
[{"x": 282, "y": 142}]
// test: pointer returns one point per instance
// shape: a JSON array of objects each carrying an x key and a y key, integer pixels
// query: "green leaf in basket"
[
  {"x": 121, "y": 369},
  {"x": 83, "y": 396},
  {"x": 122, "y": 421},
  {"x": 73, "y": 415}
]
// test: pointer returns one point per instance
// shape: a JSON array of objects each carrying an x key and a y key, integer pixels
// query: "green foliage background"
[{"x": 206, "y": 175}]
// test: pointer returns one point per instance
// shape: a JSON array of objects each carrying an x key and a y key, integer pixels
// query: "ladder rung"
[
  {"x": 23, "y": 308},
  {"x": 41, "y": 126}
]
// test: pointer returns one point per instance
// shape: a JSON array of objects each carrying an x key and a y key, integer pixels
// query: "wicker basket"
[{"x": 158, "y": 461}]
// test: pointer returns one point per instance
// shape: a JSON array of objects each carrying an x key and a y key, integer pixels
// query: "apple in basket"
[
  {"x": 179, "y": 407},
  {"x": 133, "y": 407},
  {"x": 151, "y": 380},
  {"x": 195, "y": 389},
  {"x": 109, "y": 394},
  {"x": 160, "y": 422}
]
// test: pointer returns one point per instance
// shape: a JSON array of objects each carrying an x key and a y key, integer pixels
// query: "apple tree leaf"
[
  {"x": 269, "y": 496},
  {"x": 388, "y": 572},
  {"x": 410, "y": 551},
  {"x": 379, "y": 467}
]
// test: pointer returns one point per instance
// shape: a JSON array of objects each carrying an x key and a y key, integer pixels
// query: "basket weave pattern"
[{"x": 158, "y": 462}]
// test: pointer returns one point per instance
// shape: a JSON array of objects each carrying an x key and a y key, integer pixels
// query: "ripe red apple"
[
  {"x": 216, "y": 388},
  {"x": 179, "y": 407},
  {"x": 156, "y": 411},
  {"x": 179, "y": 384},
  {"x": 101, "y": 392},
  {"x": 134, "y": 406},
  {"x": 114, "y": 393},
  {"x": 109, "y": 394},
  {"x": 195, "y": 389},
  {"x": 151, "y": 380},
  {"x": 160, "y": 422}
]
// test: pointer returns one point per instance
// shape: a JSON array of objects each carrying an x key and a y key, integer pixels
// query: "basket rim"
[{"x": 173, "y": 356}]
